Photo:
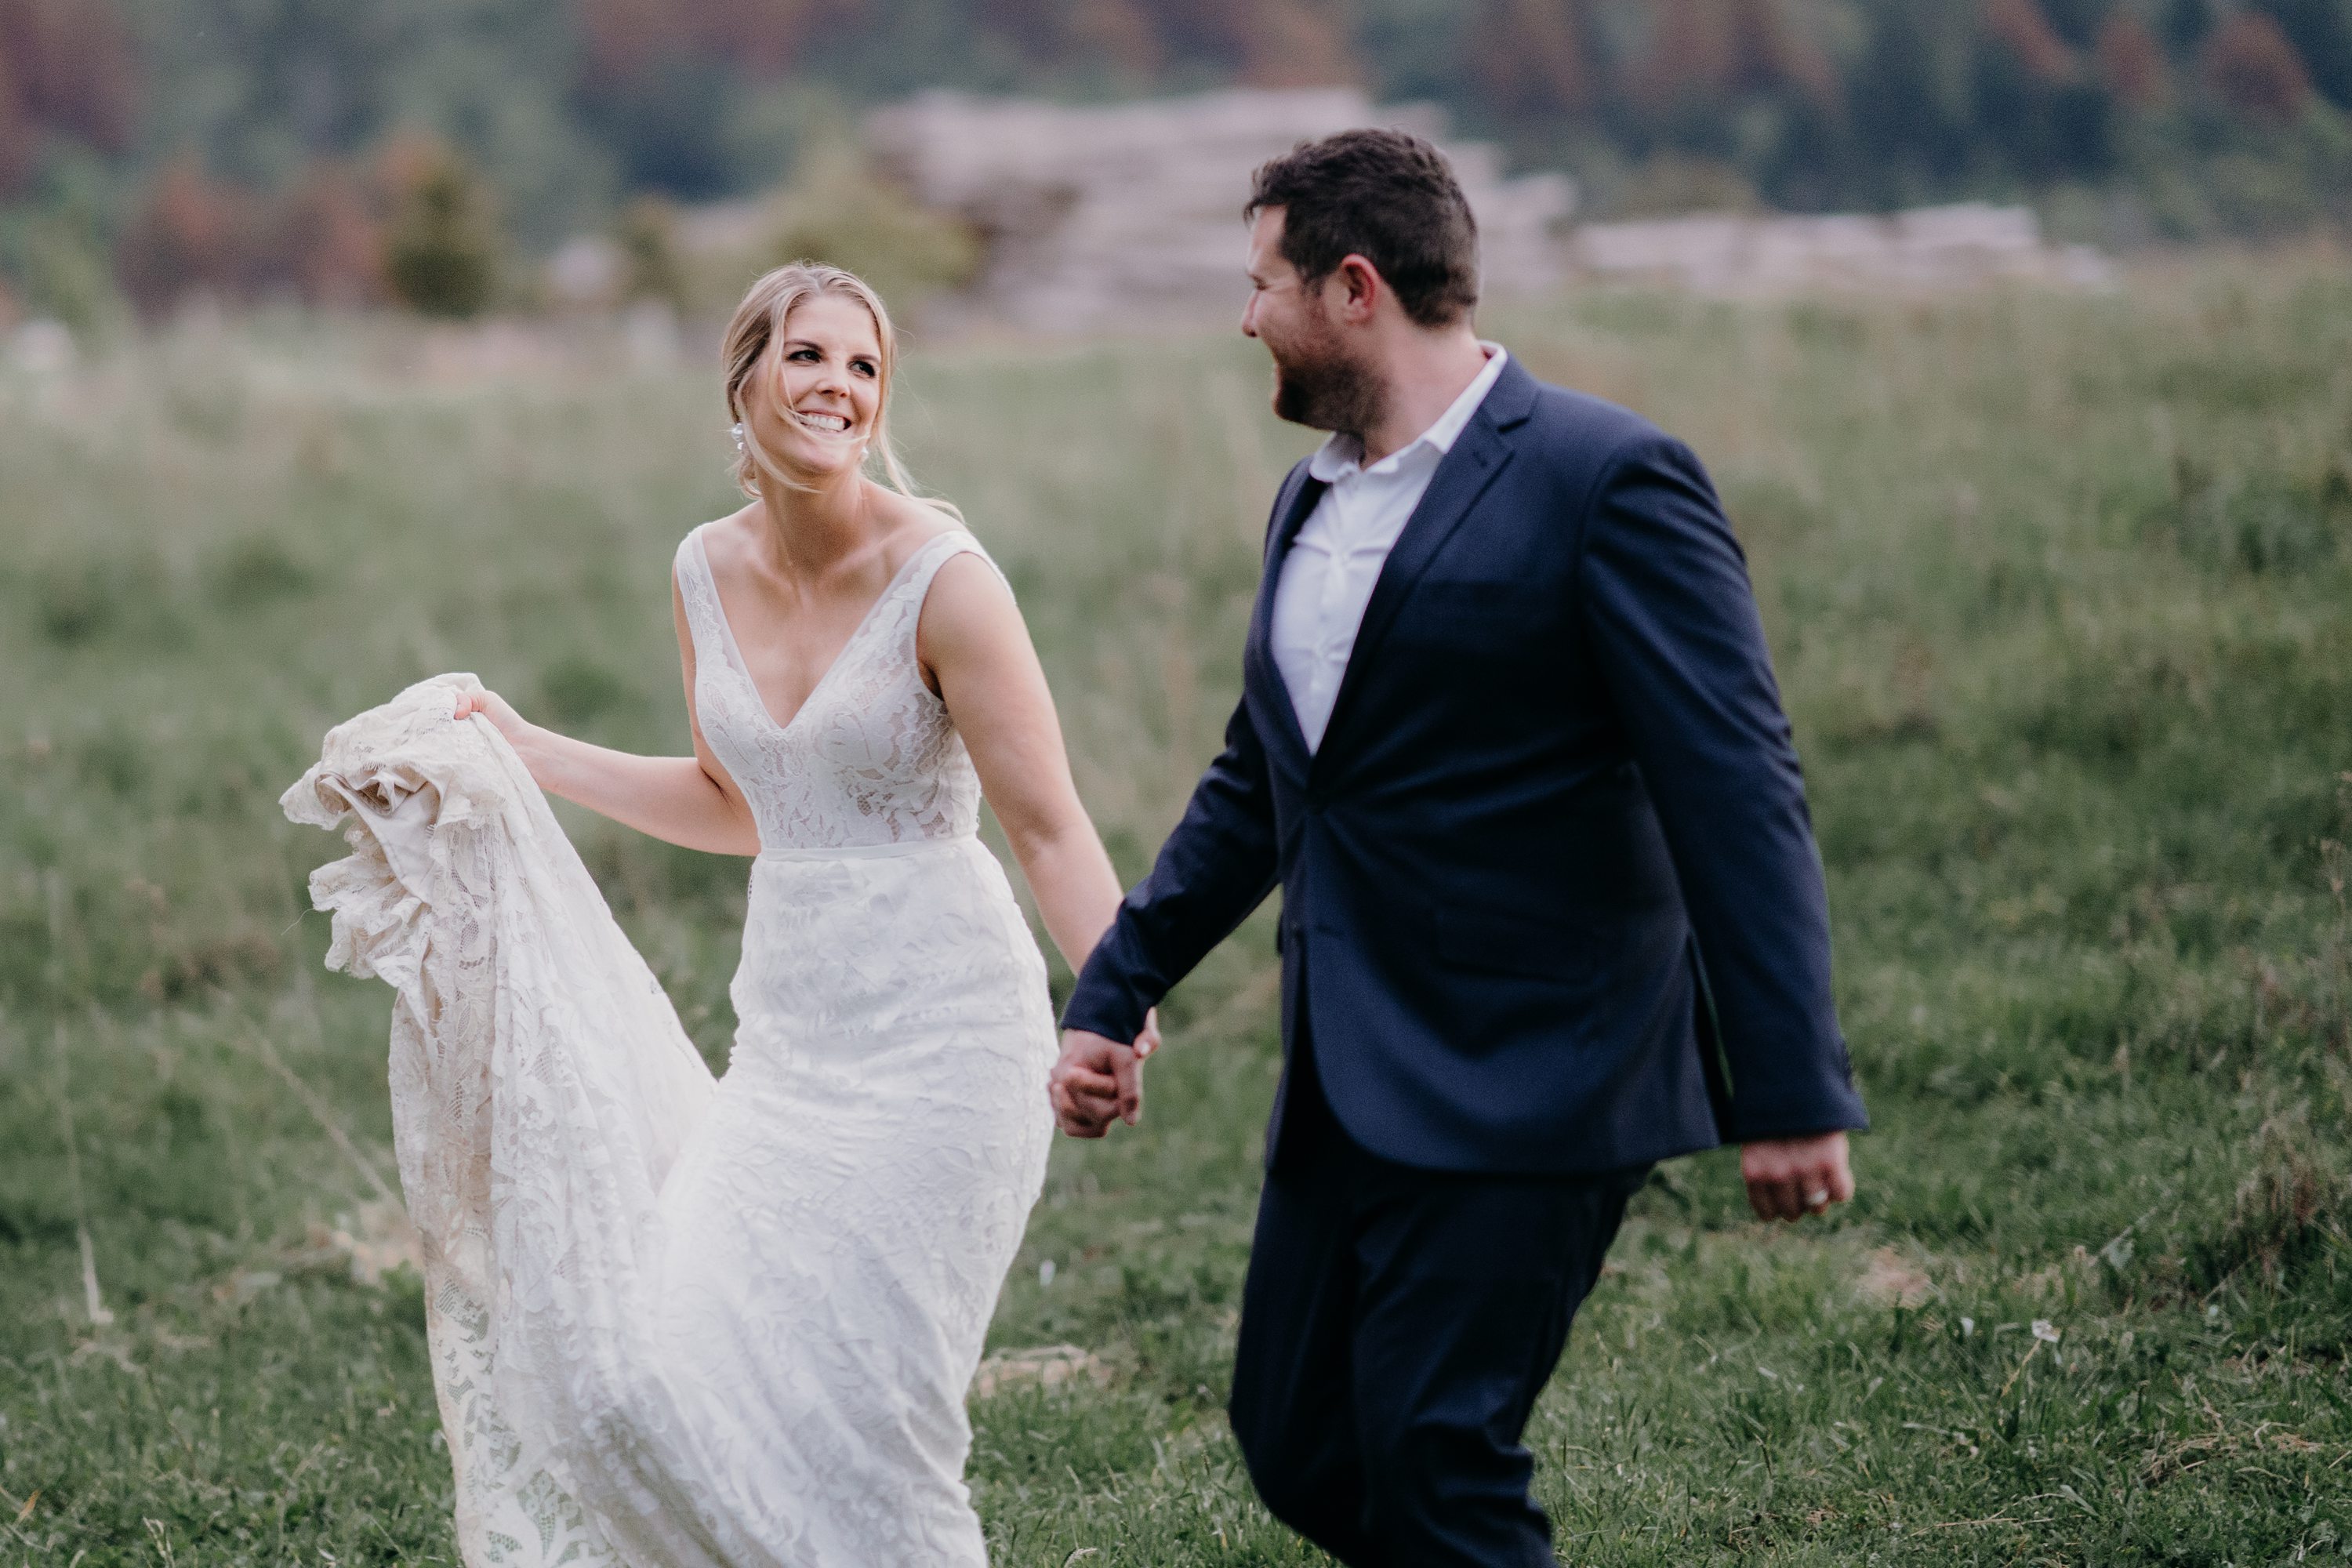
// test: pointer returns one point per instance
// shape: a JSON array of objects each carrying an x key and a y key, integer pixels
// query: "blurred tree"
[
  {"x": 1692, "y": 55},
  {"x": 65, "y": 271},
  {"x": 441, "y": 253},
  {"x": 260, "y": 87},
  {"x": 2131, "y": 62},
  {"x": 1530, "y": 55},
  {"x": 2250, "y": 65},
  {"x": 1911, "y": 104},
  {"x": 329, "y": 239},
  {"x": 1296, "y": 43},
  {"x": 2321, "y": 32},
  {"x": 568, "y": 108},
  {"x": 766, "y": 38},
  {"x": 2184, "y": 22},
  {"x": 18, "y": 136},
  {"x": 1267, "y": 43},
  {"x": 191, "y": 235},
  {"x": 1035, "y": 28},
  {"x": 1770, "y": 52},
  {"x": 2036, "y": 106},
  {"x": 2024, "y": 29},
  {"x": 1702, "y": 51},
  {"x": 67, "y": 70},
  {"x": 762, "y": 37},
  {"x": 1118, "y": 31},
  {"x": 666, "y": 124},
  {"x": 674, "y": 88}
]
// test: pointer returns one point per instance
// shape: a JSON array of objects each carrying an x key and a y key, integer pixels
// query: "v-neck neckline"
[{"x": 743, "y": 666}]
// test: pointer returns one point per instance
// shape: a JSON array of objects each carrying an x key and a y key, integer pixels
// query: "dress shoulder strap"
[
  {"x": 938, "y": 553},
  {"x": 705, "y": 621},
  {"x": 915, "y": 588}
]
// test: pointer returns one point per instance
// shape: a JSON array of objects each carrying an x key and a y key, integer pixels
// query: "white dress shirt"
[{"x": 1328, "y": 576}]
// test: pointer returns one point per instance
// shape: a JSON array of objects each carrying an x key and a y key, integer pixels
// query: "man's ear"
[{"x": 1356, "y": 287}]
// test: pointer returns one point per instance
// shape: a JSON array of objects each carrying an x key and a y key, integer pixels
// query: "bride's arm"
[
  {"x": 688, "y": 801},
  {"x": 972, "y": 642}
]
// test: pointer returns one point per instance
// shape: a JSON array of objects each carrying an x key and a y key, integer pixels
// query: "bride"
[{"x": 680, "y": 1323}]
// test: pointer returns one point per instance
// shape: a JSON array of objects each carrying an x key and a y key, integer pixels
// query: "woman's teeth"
[{"x": 831, "y": 424}]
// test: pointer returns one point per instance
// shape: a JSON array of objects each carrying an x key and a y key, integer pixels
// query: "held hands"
[
  {"x": 1789, "y": 1178},
  {"x": 1098, "y": 1081}
]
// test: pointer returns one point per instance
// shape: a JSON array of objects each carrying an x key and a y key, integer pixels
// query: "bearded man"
[{"x": 1510, "y": 743}]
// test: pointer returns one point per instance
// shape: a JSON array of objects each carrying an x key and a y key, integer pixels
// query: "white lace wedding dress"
[{"x": 676, "y": 1321}]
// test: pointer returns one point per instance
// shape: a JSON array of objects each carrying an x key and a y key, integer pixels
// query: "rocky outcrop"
[{"x": 1129, "y": 216}]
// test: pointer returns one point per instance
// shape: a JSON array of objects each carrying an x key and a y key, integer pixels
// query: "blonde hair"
[{"x": 754, "y": 326}]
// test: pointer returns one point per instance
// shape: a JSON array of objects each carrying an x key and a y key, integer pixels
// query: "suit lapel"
[
  {"x": 1293, "y": 507},
  {"x": 1477, "y": 456}
]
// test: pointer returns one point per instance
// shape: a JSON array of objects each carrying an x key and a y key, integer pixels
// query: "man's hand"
[
  {"x": 1789, "y": 1178},
  {"x": 1098, "y": 1081}
]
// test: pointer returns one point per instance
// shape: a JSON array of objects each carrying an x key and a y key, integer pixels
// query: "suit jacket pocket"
[{"x": 1516, "y": 944}]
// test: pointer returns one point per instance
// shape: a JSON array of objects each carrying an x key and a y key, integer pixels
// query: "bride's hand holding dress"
[{"x": 975, "y": 652}]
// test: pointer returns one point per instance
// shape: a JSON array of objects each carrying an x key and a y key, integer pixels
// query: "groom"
[{"x": 1510, "y": 742}]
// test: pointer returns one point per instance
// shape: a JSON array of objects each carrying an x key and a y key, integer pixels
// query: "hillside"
[{"x": 252, "y": 145}]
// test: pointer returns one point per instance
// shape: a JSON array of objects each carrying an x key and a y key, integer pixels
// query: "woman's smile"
[{"x": 822, "y": 421}]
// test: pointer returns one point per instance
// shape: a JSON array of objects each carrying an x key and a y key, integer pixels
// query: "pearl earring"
[{"x": 736, "y": 430}]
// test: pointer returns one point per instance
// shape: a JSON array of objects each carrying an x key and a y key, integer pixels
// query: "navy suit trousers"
[{"x": 1397, "y": 1326}]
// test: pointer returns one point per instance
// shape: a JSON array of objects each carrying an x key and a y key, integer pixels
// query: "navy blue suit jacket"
[{"x": 1550, "y": 896}]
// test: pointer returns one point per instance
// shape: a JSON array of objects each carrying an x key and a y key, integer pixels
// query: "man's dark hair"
[{"x": 1388, "y": 196}]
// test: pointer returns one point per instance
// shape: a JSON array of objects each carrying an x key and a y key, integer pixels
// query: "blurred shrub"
[
  {"x": 80, "y": 602},
  {"x": 66, "y": 71},
  {"x": 65, "y": 271},
  {"x": 257, "y": 570},
  {"x": 1670, "y": 182},
  {"x": 2290, "y": 1205},
  {"x": 441, "y": 256},
  {"x": 840, "y": 211},
  {"x": 2250, "y": 65},
  {"x": 190, "y": 234},
  {"x": 2130, "y": 61},
  {"x": 2261, "y": 521},
  {"x": 2262, "y": 198},
  {"x": 647, "y": 235},
  {"x": 329, "y": 239},
  {"x": 209, "y": 962},
  {"x": 115, "y": 759}
]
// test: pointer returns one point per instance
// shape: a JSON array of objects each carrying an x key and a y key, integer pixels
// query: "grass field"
[{"x": 2061, "y": 592}]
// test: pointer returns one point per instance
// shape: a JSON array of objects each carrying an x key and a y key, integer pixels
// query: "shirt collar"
[{"x": 1341, "y": 455}]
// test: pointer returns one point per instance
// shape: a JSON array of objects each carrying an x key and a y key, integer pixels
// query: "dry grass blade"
[
  {"x": 323, "y": 1112},
  {"x": 93, "y": 1302}
]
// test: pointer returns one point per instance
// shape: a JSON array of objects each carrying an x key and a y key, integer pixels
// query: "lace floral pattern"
[
  {"x": 871, "y": 757},
  {"x": 677, "y": 1321}
]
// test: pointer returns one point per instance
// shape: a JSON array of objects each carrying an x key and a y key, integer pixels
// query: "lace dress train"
[{"x": 677, "y": 1322}]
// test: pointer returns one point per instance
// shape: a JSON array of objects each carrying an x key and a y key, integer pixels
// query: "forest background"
[{"x": 315, "y": 149}]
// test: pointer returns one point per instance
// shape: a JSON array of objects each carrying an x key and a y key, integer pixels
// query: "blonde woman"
[{"x": 680, "y": 1323}]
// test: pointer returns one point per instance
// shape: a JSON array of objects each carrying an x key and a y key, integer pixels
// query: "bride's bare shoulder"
[
  {"x": 910, "y": 525},
  {"x": 726, "y": 540}
]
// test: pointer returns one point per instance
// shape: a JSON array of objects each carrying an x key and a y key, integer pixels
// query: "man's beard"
[{"x": 1320, "y": 387}]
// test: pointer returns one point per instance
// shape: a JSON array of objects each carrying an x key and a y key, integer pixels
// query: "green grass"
[{"x": 2062, "y": 597}]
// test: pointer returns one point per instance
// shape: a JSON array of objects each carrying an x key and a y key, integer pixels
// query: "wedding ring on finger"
[{"x": 1817, "y": 1200}]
